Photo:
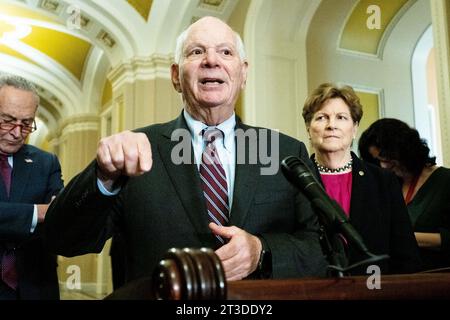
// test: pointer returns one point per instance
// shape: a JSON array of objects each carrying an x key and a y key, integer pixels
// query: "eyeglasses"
[{"x": 24, "y": 129}]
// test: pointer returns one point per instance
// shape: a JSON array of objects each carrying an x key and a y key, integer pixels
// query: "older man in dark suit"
[
  {"x": 205, "y": 190},
  {"x": 29, "y": 178}
]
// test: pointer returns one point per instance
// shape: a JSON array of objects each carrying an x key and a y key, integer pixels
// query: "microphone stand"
[
  {"x": 332, "y": 218},
  {"x": 336, "y": 266},
  {"x": 332, "y": 245}
]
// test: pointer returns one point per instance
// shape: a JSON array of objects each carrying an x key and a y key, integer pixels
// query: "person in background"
[
  {"x": 398, "y": 148},
  {"x": 259, "y": 225},
  {"x": 29, "y": 179},
  {"x": 371, "y": 197}
]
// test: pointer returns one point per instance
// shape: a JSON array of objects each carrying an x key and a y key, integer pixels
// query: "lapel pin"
[{"x": 28, "y": 160}]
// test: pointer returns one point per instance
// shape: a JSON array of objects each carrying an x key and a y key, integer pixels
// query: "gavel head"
[{"x": 189, "y": 274}]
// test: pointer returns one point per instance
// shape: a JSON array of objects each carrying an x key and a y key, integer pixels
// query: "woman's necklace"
[{"x": 323, "y": 169}]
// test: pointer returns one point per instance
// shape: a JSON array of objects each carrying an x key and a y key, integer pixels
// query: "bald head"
[
  {"x": 210, "y": 70},
  {"x": 208, "y": 23}
]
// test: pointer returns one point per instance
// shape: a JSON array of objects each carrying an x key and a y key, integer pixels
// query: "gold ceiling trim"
[
  {"x": 107, "y": 92},
  {"x": 143, "y": 7},
  {"x": 69, "y": 51},
  {"x": 50, "y": 107}
]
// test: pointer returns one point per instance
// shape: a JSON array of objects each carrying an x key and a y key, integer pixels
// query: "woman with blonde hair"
[{"x": 370, "y": 196}]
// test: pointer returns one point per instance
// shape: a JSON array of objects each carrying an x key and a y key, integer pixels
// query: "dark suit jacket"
[
  {"x": 165, "y": 208},
  {"x": 36, "y": 177},
  {"x": 379, "y": 214}
]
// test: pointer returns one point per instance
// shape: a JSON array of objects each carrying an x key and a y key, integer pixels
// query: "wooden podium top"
[
  {"x": 197, "y": 274},
  {"x": 411, "y": 286}
]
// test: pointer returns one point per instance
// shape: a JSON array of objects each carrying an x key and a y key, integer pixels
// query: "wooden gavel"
[{"x": 189, "y": 274}]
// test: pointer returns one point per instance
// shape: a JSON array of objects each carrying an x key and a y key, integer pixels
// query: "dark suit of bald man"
[{"x": 165, "y": 208}]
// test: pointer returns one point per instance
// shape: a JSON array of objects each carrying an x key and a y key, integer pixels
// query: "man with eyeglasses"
[{"x": 29, "y": 179}]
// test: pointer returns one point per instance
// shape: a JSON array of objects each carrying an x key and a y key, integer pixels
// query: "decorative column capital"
[
  {"x": 81, "y": 122},
  {"x": 141, "y": 68}
]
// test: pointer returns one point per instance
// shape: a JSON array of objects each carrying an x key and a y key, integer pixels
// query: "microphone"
[{"x": 332, "y": 216}]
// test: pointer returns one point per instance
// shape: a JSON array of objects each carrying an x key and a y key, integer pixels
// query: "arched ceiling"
[
  {"x": 67, "y": 47},
  {"x": 39, "y": 39},
  {"x": 52, "y": 42},
  {"x": 386, "y": 73},
  {"x": 369, "y": 40}
]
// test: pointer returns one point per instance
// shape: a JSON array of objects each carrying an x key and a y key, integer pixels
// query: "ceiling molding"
[
  {"x": 57, "y": 83},
  {"x": 141, "y": 68},
  {"x": 47, "y": 118},
  {"x": 52, "y": 6},
  {"x": 106, "y": 39},
  {"x": 94, "y": 78},
  {"x": 82, "y": 122}
]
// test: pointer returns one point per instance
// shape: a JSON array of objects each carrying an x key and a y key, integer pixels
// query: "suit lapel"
[
  {"x": 245, "y": 181},
  {"x": 22, "y": 167},
  {"x": 246, "y": 178},
  {"x": 358, "y": 191},
  {"x": 186, "y": 180},
  {"x": 3, "y": 196}
]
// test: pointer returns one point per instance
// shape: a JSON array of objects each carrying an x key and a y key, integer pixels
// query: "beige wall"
[
  {"x": 237, "y": 22},
  {"x": 371, "y": 111},
  {"x": 79, "y": 149},
  {"x": 76, "y": 148},
  {"x": 145, "y": 102},
  {"x": 275, "y": 36}
]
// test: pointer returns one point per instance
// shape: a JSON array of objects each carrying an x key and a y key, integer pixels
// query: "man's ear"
[
  {"x": 175, "y": 74},
  {"x": 244, "y": 74}
]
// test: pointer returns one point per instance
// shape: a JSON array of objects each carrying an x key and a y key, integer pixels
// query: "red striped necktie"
[
  {"x": 214, "y": 180},
  {"x": 9, "y": 271},
  {"x": 8, "y": 259},
  {"x": 6, "y": 171}
]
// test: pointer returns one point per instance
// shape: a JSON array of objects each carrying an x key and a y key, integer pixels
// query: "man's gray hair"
[
  {"x": 19, "y": 83},
  {"x": 182, "y": 39}
]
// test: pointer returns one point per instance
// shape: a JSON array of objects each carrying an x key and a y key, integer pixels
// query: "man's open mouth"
[{"x": 211, "y": 80}]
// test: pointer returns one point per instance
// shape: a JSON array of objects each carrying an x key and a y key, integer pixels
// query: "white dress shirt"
[{"x": 226, "y": 148}]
